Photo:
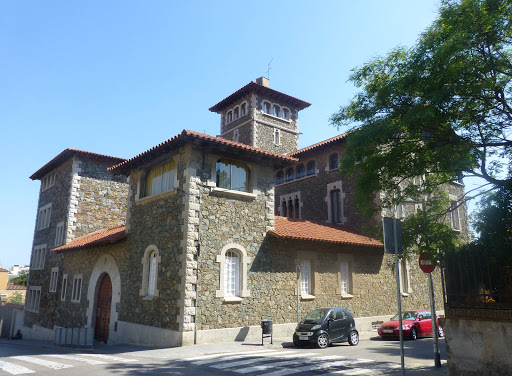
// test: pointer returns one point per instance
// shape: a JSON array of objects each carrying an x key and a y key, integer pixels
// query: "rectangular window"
[
  {"x": 232, "y": 175},
  {"x": 48, "y": 181},
  {"x": 277, "y": 137},
  {"x": 305, "y": 277},
  {"x": 160, "y": 179},
  {"x": 454, "y": 214},
  {"x": 33, "y": 299},
  {"x": 59, "y": 234},
  {"x": 53, "y": 279},
  {"x": 43, "y": 218},
  {"x": 64, "y": 287},
  {"x": 345, "y": 278},
  {"x": 77, "y": 288},
  {"x": 38, "y": 257}
]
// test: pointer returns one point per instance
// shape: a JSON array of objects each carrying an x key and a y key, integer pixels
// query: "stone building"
[{"x": 192, "y": 242}]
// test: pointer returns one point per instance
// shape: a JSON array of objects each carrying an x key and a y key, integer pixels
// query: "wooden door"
[{"x": 103, "y": 309}]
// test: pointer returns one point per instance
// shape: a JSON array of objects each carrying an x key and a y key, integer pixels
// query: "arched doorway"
[{"x": 103, "y": 305}]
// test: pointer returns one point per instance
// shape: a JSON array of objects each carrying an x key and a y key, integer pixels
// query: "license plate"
[
  {"x": 304, "y": 338},
  {"x": 387, "y": 331}
]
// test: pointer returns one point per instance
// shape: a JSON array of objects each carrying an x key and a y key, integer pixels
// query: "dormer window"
[
  {"x": 310, "y": 168},
  {"x": 285, "y": 114},
  {"x": 232, "y": 175},
  {"x": 266, "y": 107},
  {"x": 235, "y": 114},
  {"x": 160, "y": 179},
  {"x": 280, "y": 177},
  {"x": 230, "y": 117},
  {"x": 290, "y": 174},
  {"x": 243, "y": 109},
  {"x": 275, "y": 110},
  {"x": 301, "y": 171}
]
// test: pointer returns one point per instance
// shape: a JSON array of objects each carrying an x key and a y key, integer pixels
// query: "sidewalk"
[{"x": 416, "y": 367}]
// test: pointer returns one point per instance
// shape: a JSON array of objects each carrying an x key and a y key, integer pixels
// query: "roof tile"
[{"x": 100, "y": 237}]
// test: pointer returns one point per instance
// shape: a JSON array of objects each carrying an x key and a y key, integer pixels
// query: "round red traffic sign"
[{"x": 426, "y": 263}]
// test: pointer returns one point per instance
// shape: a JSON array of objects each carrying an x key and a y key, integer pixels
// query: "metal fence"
[{"x": 477, "y": 281}]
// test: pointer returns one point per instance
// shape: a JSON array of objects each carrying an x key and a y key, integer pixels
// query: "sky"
[{"x": 119, "y": 77}]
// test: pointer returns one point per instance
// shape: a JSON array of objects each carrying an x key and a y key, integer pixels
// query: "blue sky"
[{"x": 118, "y": 77}]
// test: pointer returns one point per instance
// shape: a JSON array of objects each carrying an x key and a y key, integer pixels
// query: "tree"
[
  {"x": 21, "y": 279},
  {"x": 17, "y": 298},
  {"x": 439, "y": 109}
]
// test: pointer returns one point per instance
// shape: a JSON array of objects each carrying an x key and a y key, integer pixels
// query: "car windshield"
[
  {"x": 316, "y": 316},
  {"x": 405, "y": 316}
]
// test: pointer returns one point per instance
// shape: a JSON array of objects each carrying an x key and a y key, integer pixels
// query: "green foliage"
[
  {"x": 21, "y": 279},
  {"x": 439, "y": 109},
  {"x": 17, "y": 298}
]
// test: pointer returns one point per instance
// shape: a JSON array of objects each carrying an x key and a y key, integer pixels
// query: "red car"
[{"x": 414, "y": 324}]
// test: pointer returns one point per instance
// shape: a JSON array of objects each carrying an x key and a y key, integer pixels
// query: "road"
[{"x": 370, "y": 357}]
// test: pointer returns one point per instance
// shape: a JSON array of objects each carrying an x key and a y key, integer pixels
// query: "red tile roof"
[
  {"x": 320, "y": 144},
  {"x": 65, "y": 155},
  {"x": 4, "y": 270},
  {"x": 11, "y": 286},
  {"x": 301, "y": 229},
  {"x": 253, "y": 86},
  {"x": 100, "y": 237},
  {"x": 187, "y": 136}
]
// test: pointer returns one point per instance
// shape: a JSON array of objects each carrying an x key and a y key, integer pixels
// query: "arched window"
[
  {"x": 285, "y": 114},
  {"x": 150, "y": 262},
  {"x": 235, "y": 114},
  {"x": 280, "y": 177},
  {"x": 336, "y": 214},
  {"x": 290, "y": 174},
  {"x": 230, "y": 117},
  {"x": 232, "y": 274},
  {"x": 266, "y": 107},
  {"x": 277, "y": 137},
  {"x": 300, "y": 171},
  {"x": 333, "y": 161},
  {"x": 243, "y": 109},
  {"x": 160, "y": 179},
  {"x": 232, "y": 175},
  {"x": 275, "y": 110},
  {"x": 310, "y": 168}
]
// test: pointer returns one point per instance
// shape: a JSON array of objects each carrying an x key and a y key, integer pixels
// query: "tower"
[{"x": 259, "y": 116}]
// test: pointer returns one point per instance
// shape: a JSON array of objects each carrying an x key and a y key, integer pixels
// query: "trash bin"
[
  {"x": 266, "y": 326},
  {"x": 266, "y": 330}
]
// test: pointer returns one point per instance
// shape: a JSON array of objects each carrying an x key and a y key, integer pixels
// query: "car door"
[
  {"x": 338, "y": 325},
  {"x": 425, "y": 323}
]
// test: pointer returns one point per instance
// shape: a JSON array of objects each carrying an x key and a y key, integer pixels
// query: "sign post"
[
  {"x": 428, "y": 267},
  {"x": 298, "y": 294}
]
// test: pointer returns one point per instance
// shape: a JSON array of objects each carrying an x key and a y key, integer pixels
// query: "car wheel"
[
  {"x": 322, "y": 341},
  {"x": 414, "y": 333},
  {"x": 353, "y": 338},
  {"x": 440, "y": 331}
]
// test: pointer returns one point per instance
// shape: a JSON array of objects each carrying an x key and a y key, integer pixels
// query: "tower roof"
[{"x": 262, "y": 90}]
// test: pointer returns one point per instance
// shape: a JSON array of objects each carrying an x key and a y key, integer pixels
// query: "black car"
[{"x": 324, "y": 326}]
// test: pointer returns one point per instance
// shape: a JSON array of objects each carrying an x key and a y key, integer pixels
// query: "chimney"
[{"x": 263, "y": 81}]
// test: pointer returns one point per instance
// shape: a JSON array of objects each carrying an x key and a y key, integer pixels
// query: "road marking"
[
  {"x": 109, "y": 357},
  {"x": 210, "y": 361},
  {"x": 263, "y": 367},
  {"x": 259, "y": 358},
  {"x": 14, "y": 369},
  {"x": 216, "y": 355},
  {"x": 42, "y": 362},
  {"x": 76, "y": 358}
]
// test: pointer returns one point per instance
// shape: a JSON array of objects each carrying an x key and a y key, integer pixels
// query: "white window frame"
[
  {"x": 44, "y": 216},
  {"x": 276, "y": 110},
  {"x": 48, "y": 181},
  {"x": 405, "y": 277},
  {"x": 454, "y": 213},
  {"x": 59, "y": 234},
  {"x": 307, "y": 288},
  {"x": 243, "y": 106},
  {"x": 76, "y": 292},
  {"x": 53, "y": 279},
  {"x": 244, "y": 260},
  {"x": 345, "y": 275},
  {"x": 64, "y": 287},
  {"x": 277, "y": 137},
  {"x": 150, "y": 265},
  {"x": 285, "y": 113},
  {"x": 305, "y": 277},
  {"x": 331, "y": 187},
  {"x": 33, "y": 299},
  {"x": 38, "y": 257},
  {"x": 264, "y": 107}
]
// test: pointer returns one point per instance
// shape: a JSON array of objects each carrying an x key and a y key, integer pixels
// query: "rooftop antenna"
[{"x": 268, "y": 70}]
